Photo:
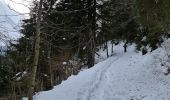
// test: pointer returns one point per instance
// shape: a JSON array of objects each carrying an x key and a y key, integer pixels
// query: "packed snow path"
[{"x": 124, "y": 76}]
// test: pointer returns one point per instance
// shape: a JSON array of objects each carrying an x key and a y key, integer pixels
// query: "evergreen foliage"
[
  {"x": 71, "y": 32},
  {"x": 153, "y": 16}
]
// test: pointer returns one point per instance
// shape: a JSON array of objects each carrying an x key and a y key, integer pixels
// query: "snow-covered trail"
[{"x": 125, "y": 76}]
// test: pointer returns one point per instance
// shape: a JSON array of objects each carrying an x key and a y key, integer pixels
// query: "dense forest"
[{"x": 61, "y": 38}]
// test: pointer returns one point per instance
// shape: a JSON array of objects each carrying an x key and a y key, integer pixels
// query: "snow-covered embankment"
[{"x": 124, "y": 76}]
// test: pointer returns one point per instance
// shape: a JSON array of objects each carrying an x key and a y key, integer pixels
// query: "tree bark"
[
  {"x": 112, "y": 48},
  {"x": 92, "y": 34},
  {"x": 36, "y": 55},
  {"x": 49, "y": 63},
  {"x": 107, "y": 51}
]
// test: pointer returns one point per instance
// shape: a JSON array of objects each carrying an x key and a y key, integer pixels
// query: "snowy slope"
[
  {"x": 125, "y": 76},
  {"x": 9, "y": 21}
]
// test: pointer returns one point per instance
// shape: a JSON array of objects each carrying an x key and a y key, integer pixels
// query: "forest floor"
[{"x": 123, "y": 76}]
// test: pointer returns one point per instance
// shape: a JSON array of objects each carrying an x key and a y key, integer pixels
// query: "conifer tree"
[
  {"x": 153, "y": 17},
  {"x": 36, "y": 54}
]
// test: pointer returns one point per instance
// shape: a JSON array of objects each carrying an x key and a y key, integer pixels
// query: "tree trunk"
[
  {"x": 36, "y": 55},
  {"x": 112, "y": 49},
  {"x": 91, "y": 51},
  {"x": 49, "y": 64},
  {"x": 107, "y": 51},
  {"x": 92, "y": 34}
]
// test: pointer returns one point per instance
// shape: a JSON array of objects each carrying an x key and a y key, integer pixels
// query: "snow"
[
  {"x": 20, "y": 75},
  {"x": 9, "y": 21},
  {"x": 64, "y": 63},
  {"x": 64, "y": 38},
  {"x": 20, "y": 6},
  {"x": 124, "y": 76},
  {"x": 102, "y": 53}
]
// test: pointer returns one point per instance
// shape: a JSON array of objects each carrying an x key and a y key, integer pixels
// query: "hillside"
[
  {"x": 9, "y": 21},
  {"x": 124, "y": 76}
]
